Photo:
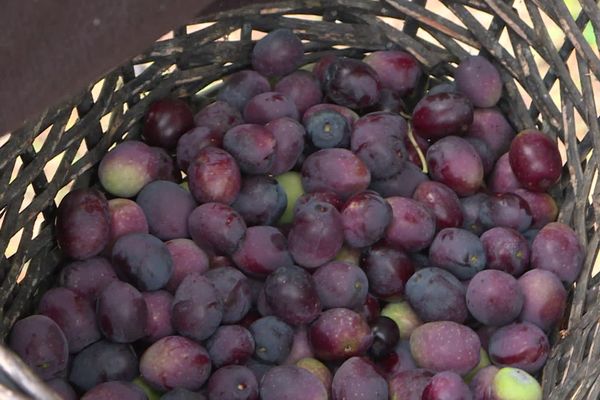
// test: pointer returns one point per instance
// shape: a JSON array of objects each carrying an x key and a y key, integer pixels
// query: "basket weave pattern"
[{"x": 73, "y": 137}]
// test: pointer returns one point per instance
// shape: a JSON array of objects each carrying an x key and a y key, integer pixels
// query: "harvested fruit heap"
[{"x": 409, "y": 252}]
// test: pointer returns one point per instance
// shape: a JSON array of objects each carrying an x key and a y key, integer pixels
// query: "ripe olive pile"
[{"x": 308, "y": 236}]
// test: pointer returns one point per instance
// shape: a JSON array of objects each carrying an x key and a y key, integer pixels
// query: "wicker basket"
[{"x": 60, "y": 150}]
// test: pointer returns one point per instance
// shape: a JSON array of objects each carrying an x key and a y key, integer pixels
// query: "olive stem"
[{"x": 411, "y": 136}]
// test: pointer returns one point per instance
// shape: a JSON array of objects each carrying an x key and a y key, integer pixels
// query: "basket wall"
[{"x": 547, "y": 85}]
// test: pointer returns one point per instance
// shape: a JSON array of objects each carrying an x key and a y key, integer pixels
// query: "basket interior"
[{"x": 547, "y": 57}]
